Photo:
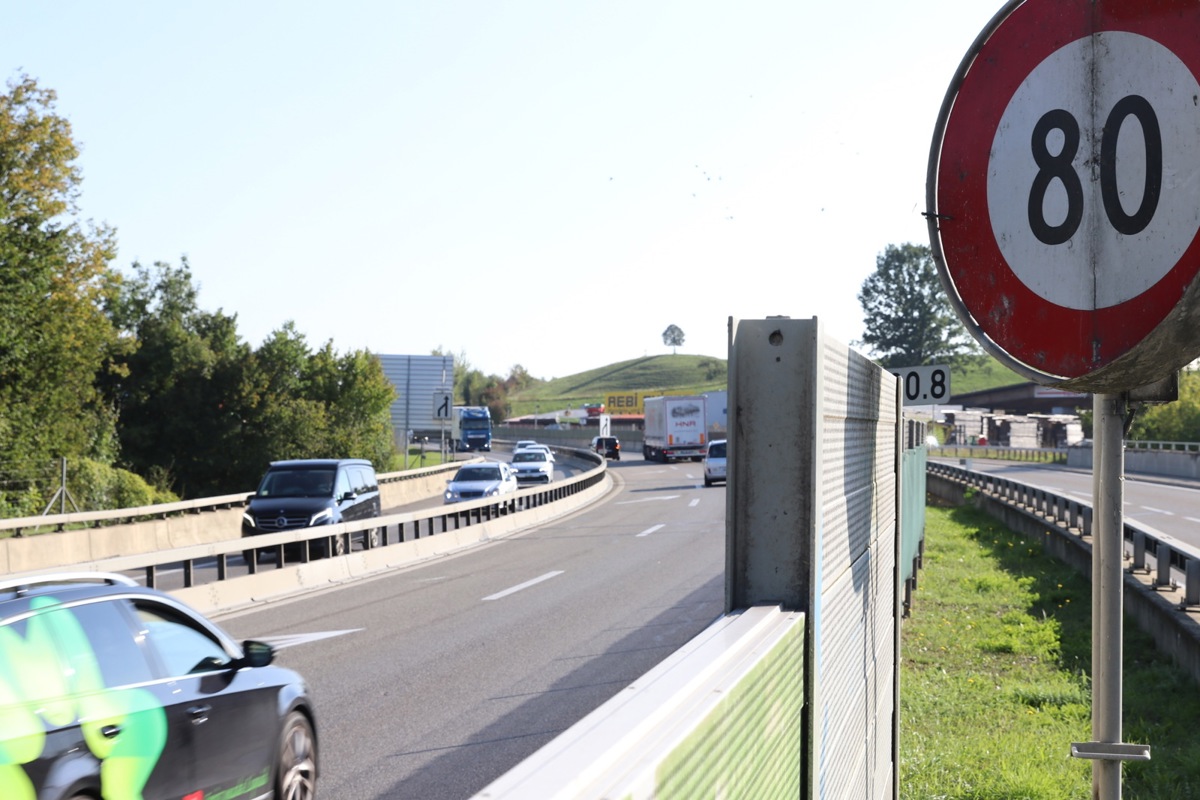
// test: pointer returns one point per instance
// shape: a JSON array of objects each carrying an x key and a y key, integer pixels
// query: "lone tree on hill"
[{"x": 673, "y": 337}]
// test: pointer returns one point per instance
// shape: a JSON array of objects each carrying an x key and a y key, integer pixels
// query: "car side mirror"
[{"x": 256, "y": 654}]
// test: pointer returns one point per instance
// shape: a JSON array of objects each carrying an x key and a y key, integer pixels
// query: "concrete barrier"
[
  {"x": 275, "y": 584},
  {"x": 58, "y": 549},
  {"x": 722, "y": 716}
]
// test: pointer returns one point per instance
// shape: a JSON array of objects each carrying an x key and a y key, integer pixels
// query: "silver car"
[
  {"x": 475, "y": 481},
  {"x": 714, "y": 462}
]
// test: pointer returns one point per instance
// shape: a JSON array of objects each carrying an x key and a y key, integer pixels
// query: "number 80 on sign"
[{"x": 923, "y": 386}]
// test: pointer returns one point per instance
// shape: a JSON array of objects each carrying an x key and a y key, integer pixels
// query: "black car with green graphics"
[{"x": 109, "y": 689}]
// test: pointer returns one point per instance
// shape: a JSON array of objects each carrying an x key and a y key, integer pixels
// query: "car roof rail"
[{"x": 30, "y": 582}]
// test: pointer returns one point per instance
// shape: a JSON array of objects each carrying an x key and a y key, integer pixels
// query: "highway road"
[
  {"x": 1171, "y": 506},
  {"x": 434, "y": 680}
]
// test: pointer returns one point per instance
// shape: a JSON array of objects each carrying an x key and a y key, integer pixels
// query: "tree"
[
  {"x": 358, "y": 398},
  {"x": 908, "y": 319},
  {"x": 181, "y": 391},
  {"x": 673, "y": 337},
  {"x": 518, "y": 379},
  {"x": 54, "y": 277},
  {"x": 1177, "y": 421}
]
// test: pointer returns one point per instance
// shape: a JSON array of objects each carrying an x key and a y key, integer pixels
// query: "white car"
[
  {"x": 714, "y": 462},
  {"x": 532, "y": 466},
  {"x": 523, "y": 443},
  {"x": 475, "y": 481},
  {"x": 545, "y": 448}
]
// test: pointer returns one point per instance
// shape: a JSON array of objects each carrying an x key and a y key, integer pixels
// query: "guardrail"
[
  {"x": 208, "y": 562},
  {"x": 1040, "y": 455},
  {"x": 1167, "y": 606},
  {"x": 117, "y": 516},
  {"x": 1173, "y": 447}
]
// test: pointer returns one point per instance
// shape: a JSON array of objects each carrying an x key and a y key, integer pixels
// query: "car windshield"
[
  {"x": 716, "y": 450},
  {"x": 528, "y": 455},
  {"x": 297, "y": 483},
  {"x": 478, "y": 474}
]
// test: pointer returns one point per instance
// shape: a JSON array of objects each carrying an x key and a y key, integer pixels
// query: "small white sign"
[{"x": 923, "y": 386}]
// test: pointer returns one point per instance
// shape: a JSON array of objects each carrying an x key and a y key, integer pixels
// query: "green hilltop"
[
  {"x": 674, "y": 373},
  {"x": 689, "y": 374}
]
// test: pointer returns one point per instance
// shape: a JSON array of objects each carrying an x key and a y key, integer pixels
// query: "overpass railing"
[{"x": 1076, "y": 516}]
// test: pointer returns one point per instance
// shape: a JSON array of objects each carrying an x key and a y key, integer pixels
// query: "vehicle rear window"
[{"x": 716, "y": 450}]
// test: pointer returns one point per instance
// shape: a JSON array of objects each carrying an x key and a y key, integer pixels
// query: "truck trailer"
[
  {"x": 471, "y": 428},
  {"x": 676, "y": 427}
]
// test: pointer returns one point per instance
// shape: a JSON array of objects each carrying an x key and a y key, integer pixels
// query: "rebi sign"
[{"x": 1064, "y": 190}]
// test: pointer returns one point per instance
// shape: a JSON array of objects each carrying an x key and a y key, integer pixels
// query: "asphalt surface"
[{"x": 434, "y": 680}]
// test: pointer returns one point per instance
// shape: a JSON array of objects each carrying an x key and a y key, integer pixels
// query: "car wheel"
[
  {"x": 297, "y": 775},
  {"x": 707, "y": 483},
  {"x": 339, "y": 545},
  {"x": 373, "y": 538}
]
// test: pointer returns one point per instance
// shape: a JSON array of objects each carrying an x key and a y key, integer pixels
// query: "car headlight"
[
  {"x": 248, "y": 520},
  {"x": 492, "y": 492},
  {"x": 322, "y": 517}
]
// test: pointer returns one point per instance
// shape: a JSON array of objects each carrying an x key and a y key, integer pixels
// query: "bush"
[{"x": 95, "y": 486}]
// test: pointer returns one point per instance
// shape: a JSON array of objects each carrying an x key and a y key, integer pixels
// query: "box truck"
[{"x": 676, "y": 428}]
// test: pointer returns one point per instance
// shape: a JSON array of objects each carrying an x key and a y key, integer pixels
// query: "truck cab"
[{"x": 471, "y": 429}]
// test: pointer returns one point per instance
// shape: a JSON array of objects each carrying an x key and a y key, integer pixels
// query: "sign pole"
[
  {"x": 1108, "y": 585},
  {"x": 1108, "y": 492}
]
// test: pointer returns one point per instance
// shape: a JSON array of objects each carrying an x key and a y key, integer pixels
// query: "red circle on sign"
[{"x": 1055, "y": 342}]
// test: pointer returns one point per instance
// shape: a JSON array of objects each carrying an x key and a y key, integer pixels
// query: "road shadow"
[{"x": 463, "y": 770}]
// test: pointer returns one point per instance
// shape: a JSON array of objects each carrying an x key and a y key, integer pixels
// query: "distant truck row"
[{"x": 676, "y": 427}]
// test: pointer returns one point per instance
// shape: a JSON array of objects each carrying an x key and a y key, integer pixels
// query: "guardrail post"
[
  {"x": 1162, "y": 563},
  {"x": 1139, "y": 549},
  {"x": 1191, "y": 584}
]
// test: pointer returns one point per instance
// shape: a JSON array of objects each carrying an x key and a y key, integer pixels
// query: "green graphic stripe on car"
[{"x": 52, "y": 674}]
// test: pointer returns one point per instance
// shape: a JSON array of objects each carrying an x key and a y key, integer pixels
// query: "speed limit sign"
[{"x": 1064, "y": 190}]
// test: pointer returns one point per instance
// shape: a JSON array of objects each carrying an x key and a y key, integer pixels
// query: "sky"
[{"x": 550, "y": 184}]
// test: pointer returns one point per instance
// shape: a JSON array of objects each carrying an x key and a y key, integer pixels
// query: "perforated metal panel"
[{"x": 813, "y": 523}]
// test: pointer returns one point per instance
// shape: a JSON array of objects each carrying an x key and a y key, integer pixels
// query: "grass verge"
[{"x": 995, "y": 678}]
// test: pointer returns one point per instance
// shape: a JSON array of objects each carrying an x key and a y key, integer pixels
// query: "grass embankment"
[
  {"x": 662, "y": 374},
  {"x": 995, "y": 678}
]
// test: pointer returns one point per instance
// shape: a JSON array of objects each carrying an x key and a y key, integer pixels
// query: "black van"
[
  {"x": 607, "y": 446},
  {"x": 309, "y": 492}
]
